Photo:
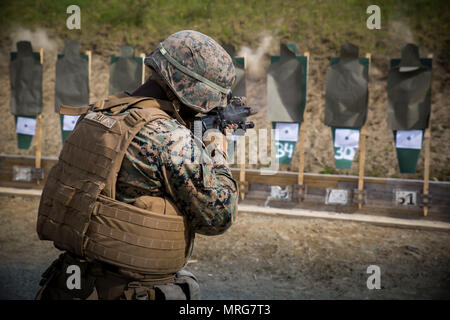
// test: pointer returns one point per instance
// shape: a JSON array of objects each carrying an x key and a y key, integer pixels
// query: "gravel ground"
[{"x": 264, "y": 257}]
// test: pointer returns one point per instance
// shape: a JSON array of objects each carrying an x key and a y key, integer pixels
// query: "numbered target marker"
[
  {"x": 286, "y": 136},
  {"x": 405, "y": 198},
  {"x": 345, "y": 153},
  {"x": 285, "y": 149},
  {"x": 21, "y": 173},
  {"x": 337, "y": 196},
  {"x": 346, "y": 142},
  {"x": 345, "y": 146}
]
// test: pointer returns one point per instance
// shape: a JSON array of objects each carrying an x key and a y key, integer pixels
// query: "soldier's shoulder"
[
  {"x": 166, "y": 126},
  {"x": 165, "y": 131}
]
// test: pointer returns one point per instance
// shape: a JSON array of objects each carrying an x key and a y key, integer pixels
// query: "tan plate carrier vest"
[{"x": 78, "y": 210}]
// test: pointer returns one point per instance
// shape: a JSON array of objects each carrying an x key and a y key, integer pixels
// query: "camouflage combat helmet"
[{"x": 197, "y": 69}]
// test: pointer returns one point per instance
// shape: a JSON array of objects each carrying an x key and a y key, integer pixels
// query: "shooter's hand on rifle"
[{"x": 233, "y": 116}]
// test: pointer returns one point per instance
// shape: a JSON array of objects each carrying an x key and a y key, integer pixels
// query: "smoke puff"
[
  {"x": 255, "y": 59},
  {"x": 38, "y": 39}
]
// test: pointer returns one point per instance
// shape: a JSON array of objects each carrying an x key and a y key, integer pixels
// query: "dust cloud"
[
  {"x": 38, "y": 39},
  {"x": 255, "y": 59}
]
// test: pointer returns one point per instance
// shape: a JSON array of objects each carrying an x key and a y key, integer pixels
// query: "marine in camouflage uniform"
[
  {"x": 165, "y": 159},
  {"x": 205, "y": 193}
]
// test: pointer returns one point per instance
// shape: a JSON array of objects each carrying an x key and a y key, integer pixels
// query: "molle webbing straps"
[
  {"x": 138, "y": 103},
  {"x": 133, "y": 123},
  {"x": 78, "y": 210},
  {"x": 137, "y": 239},
  {"x": 123, "y": 214},
  {"x": 118, "y": 105},
  {"x": 72, "y": 111},
  {"x": 99, "y": 105},
  {"x": 130, "y": 260}
]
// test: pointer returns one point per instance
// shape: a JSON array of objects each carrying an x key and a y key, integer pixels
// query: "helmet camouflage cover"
[{"x": 197, "y": 69}]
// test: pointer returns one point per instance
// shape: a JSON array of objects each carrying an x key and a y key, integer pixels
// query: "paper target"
[
  {"x": 26, "y": 126},
  {"x": 409, "y": 139},
  {"x": 346, "y": 138},
  {"x": 286, "y": 131}
]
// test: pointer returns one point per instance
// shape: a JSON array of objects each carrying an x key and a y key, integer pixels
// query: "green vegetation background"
[{"x": 145, "y": 23}]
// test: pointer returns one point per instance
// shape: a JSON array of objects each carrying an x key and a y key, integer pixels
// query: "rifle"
[{"x": 236, "y": 112}]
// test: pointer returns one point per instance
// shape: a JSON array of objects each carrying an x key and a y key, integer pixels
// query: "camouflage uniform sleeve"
[{"x": 205, "y": 191}]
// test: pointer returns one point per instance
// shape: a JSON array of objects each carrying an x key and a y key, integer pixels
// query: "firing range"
[{"x": 360, "y": 119}]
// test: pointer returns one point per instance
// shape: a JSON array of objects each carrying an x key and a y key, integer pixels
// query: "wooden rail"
[{"x": 380, "y": 192}]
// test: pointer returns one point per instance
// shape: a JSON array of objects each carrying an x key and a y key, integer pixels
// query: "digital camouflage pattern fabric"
[
  {"x": 166, "y": 159},
  {"x": 201, "y": 55}
]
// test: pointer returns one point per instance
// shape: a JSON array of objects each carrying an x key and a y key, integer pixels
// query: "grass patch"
[
  {"x": 328, "y": 170},
  {"x": 145, "y": 23}
]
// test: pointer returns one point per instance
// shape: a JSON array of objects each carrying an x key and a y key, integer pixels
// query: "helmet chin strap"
[{"x": 176, "y": 103}]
